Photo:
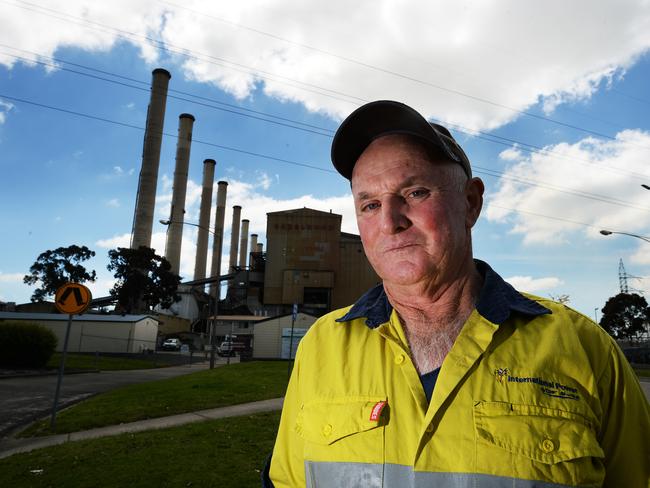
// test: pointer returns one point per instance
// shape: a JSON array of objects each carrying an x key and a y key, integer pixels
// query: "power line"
[
  {"x": 353, "y": 60},
  {"x": 146, "y": 85},
  {"x": 131, "y": 126},
  {"x": 186, "y": 52},
  {"x": 399, "y": 75},
  {"x": 559, "y": 219},
  {"x": 317, "y": 130},
  {"x": 479, "y": 170}
]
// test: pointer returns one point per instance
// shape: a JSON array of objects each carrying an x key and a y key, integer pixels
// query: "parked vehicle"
[
  {"x": 229, "y": 348},
  {"x": 173, "y": 344}
]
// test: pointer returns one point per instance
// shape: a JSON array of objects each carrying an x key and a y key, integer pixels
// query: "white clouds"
[
  {"x": 11, "y": 277},
  {"x": 5, "y": 108},
  {"x": 43, "y": 30},
  {"x": 503, "y": 54},
  {"x": 608, "y": 170},
  {"x": 532, "y": 285},
  {"x": 123, "y": 240},
  {"x": 113, "y": 203},
  {"x": 118, "y": 170}
]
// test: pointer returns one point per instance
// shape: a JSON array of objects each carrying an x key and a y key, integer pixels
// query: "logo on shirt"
[
  {"x": 547, "y": 387},
  {"x": 501, "y": 374}
]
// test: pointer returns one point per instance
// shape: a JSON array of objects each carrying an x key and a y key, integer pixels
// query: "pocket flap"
[
  {"x": 325, "y": 422},
  {"x": 542, "y": 434}
]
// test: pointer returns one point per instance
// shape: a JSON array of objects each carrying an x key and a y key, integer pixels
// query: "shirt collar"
[{"x": 497, "y": 300}]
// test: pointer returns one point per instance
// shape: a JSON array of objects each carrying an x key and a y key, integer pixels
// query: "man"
[{"x": 444, "y": 375}]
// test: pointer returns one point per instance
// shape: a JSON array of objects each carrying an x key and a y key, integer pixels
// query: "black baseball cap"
[{"x": 384, "y": 117}]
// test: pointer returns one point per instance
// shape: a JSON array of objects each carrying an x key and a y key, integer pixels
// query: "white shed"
[
  {"x": 272, "y": 336},
  {"x": 94, "y": 332}
]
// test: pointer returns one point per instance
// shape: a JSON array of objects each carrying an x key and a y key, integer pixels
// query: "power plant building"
[{"x": 308, "y": 262}]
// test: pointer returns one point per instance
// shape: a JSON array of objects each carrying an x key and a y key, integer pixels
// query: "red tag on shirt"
[{"x": 376, "y": 410}]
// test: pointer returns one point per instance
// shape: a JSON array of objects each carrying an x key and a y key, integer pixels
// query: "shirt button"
[
  {"x": 399, "y": 359},
  {"x": 327, "y": 430},
  {"x": 430, "y": 428},
  {"x": 547, "y": 445}
]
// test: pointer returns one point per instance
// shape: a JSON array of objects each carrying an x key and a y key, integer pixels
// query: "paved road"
[{"x": 24, "y": 399}]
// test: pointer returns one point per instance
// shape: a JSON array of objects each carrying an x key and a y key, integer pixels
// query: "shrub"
[{"x": 25, "y": 345}]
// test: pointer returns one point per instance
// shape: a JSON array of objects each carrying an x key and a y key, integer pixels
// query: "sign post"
[
  {"x": 71, "y": 298},
  {"x": 294, "y": 314}
]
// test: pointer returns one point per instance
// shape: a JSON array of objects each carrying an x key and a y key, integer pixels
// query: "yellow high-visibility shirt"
[{"x": 532, "y": 394}]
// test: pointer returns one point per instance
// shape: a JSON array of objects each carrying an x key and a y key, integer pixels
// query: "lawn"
[
  {"x": 218, "y": 453},
  {"x": 102, "y": 363},
  {"x": 225, "y": 385}
]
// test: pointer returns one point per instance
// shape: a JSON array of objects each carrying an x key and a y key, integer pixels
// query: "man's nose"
[{"x": 393, "y": 215}]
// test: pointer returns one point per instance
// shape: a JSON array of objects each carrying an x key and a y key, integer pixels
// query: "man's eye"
[
  {"x": 418, "y": 193},
  {"x": 370, "y": 206}
]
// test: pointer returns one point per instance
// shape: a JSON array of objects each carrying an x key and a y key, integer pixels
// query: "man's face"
[{"x": 415, "y": 212}]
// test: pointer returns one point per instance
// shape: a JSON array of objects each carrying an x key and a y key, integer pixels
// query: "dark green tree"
[
  {"x": 625, "y": 315},
  {"x": 144, "y": 279},
  {"x": 54, "y": 268}
]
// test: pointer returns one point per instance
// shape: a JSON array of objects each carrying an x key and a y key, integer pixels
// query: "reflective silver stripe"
[
  {"x": 362, "y": 475},
  {"x": 340, "y": 475}
]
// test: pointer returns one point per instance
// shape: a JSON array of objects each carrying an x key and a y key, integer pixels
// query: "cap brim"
[{"x": 380, "y": 118}]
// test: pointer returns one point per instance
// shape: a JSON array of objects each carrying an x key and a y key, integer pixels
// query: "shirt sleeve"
[
  {"x": 287, "y": 462},
  {"x": 625, "y": 429}
]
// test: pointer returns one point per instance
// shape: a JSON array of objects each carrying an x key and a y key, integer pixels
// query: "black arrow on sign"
[{"x": 77, "y": 296}]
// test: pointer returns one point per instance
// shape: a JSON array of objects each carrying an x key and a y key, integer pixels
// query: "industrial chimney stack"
[
  {"x": 253, "y": 249},
  {"x": 177, "y": 216},
  {"x": 217, "y": 243},
  {"x": 204, "y": 219},
  {"x": 234, "y": 238},
  {"x": 243, "y": 244},
  {"x": 146, "y": 196}
]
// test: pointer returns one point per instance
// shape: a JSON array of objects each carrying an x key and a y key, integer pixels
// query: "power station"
[{"x": 308, "y": 260}]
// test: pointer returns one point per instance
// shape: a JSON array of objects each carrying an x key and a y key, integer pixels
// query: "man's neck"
[{"x": 433, "y": 314}]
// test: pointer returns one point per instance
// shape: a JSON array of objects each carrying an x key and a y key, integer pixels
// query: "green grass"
[
  {"x": 225, "y": 385},
  {"x": 218, "y": 453},
  {"x": 103, "y": 363}
]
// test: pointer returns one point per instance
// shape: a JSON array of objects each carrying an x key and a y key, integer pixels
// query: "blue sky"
[{"x": 556, "y": 125}]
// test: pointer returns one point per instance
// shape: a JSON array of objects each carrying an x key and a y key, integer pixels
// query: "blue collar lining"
[{"x": 497, "y": 300}]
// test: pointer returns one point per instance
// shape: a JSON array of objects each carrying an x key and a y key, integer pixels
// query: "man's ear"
[{"x": 474, "y": 189}]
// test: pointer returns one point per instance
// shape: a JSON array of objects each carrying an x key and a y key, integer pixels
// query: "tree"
[
  {"x": 144, "y": 279},
  {"x": 53, "y": 269},
  {"x": 625, "y": 315}
]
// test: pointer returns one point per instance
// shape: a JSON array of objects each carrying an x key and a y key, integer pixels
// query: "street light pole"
[
  {"x": 610, "y": 232},
  {"x": 215, "y": 307}
]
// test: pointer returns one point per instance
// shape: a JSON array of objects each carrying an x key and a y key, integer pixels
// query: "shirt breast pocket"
[
  {"x": 343, "y": 441},
  {"x": 537, "y": 443}
]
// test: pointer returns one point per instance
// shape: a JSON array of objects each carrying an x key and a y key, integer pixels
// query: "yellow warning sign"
[{"x": 72, "y": 298}]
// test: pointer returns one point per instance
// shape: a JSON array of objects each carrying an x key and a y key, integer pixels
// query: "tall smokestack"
[
  {"x": 204, "y": 219},
  {"x": 234, "y": 237},
  {"x": 217, "y": 243},
  {"x": 177, "y": 216},
  {"x": 146, "y": 197},
  {"x": 243, "y": 244},
  {"x": 260, "y": 247},
  {"x": 253, "y": 249}
]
